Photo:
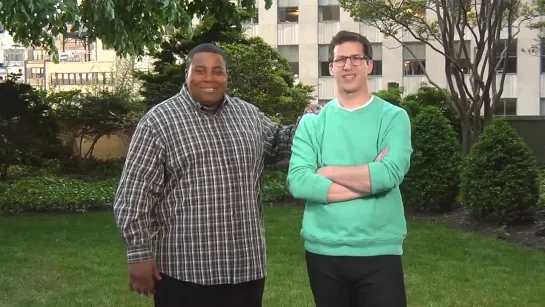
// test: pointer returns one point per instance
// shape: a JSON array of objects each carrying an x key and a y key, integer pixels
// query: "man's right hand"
[{"x": 142, "y": 277}]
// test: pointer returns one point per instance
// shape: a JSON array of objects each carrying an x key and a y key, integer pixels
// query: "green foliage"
[
  {"x": 433, "y": 180},
  {"x": 94, "y": 115},
  {"x": 272, "y": 87},
  {"x": 72, "y": 186},
  {"x": 274, "y": 187},
  {"x": 500, "y": 176},
  {"x": 27, "y": 129},
  {"x": 430, "y": 96},
  {"x": 129, "y": 26},
  {"x": 54, "y": 194},
  {"x": 392, "y": 95}
]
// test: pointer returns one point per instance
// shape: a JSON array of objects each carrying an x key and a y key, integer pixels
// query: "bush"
[
  {"x": 433, "y": 180},
  {"x": 428, "y": 95},
  {"x": 42, "y": 190},
  {"x": 55, "y": 194},
  {"x": 274, "y": 188},
  {"x": 500, "y": 176}
]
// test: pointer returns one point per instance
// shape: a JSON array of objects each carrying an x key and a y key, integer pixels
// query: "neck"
[{"x": 353, "y": 100}]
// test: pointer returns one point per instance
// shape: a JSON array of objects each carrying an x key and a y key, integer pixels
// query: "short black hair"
[
  {"x": 206, "y": 47},
  {"x": 346, "y": 36}
]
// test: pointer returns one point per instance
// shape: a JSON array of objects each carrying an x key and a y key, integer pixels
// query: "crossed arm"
[
  {"x": 349, "y": 182},
  {"x": 341, "y": 183}
]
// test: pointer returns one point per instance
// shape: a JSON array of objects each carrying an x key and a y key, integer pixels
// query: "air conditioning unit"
[{"x": 393, "y": 85}]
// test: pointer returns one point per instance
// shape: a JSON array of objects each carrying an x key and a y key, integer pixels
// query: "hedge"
[{"x": 46, "y": 190}]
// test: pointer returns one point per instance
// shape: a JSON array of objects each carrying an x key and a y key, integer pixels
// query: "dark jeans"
[
  {"x": 170, "y": 292},
  {"x": 356, "y": 281}
]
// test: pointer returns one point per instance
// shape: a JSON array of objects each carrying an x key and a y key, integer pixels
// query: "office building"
[{"x": 302, "y": 30}]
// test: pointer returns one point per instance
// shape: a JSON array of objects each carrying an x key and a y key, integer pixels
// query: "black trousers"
[
  {"x": 356, "y": 281},
  {"x": 170, "y": 292}
]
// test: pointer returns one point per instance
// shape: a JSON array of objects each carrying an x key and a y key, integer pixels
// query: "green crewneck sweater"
[{"x": 369, "y": 226}]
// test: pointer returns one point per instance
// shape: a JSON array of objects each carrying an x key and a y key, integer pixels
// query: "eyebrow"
[{"x": 214, "y": 67}]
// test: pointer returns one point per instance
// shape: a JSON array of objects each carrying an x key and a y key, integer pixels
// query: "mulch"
[{"x": 521, "y": 234}]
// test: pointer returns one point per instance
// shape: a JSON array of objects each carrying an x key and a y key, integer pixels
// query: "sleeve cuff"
[
  {"x": 321, "y": 189},
  {"x": 139, "y": 253},
  {"x": 377, "y": 177}
]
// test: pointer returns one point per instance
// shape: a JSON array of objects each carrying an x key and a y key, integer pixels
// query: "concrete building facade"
[{"x": 302, "y": 30}]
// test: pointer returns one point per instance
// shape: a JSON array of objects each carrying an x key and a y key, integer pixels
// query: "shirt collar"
[{"x": 186, "y": 96}]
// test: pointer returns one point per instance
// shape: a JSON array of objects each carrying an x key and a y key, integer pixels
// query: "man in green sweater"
[{"x": 347, "y": 162}]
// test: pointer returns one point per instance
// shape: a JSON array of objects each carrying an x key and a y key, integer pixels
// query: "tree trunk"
[{"x": 467, "y": 135}]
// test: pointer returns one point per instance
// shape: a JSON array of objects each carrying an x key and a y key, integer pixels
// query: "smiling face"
[
  {"x": 350, "y": 67},
  {"x": 207, "y": 78}
]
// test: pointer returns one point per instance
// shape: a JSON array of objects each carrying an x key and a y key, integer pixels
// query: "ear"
[
  {"x": 369, "y": 67},
  {"x": 330, "y": 65}
]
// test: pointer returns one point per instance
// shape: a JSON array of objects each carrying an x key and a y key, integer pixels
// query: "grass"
[{"x": 78, "y": 260}]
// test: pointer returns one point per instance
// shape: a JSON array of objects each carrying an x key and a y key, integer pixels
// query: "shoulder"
[
  {"x": 390, "y": 111},
  {"x": 243, "y": 105},
  {"x": 165, "y": 111}
]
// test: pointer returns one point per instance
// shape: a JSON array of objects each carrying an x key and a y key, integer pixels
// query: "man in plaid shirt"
[{"x": 188, "y": 202}]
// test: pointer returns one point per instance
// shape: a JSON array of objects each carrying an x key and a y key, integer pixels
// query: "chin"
[{"x": 350, "y": 90}]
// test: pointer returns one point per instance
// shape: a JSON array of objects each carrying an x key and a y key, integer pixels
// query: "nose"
[
  {"x": 347, "y": 64},
  {"x": 208, "y": 76}
]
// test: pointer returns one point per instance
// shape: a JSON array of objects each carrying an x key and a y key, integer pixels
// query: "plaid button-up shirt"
[{"x": 189, "y": 194}]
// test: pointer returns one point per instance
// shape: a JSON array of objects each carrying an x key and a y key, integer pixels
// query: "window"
[
  {"x": 294, "y": 67},
  {"x": 93, "y": 78},
  {"x": 37, "y": 55},
  {"x": 35, "y": 73},
  {"x": 291, "y": 53},
  {"x": 253, "y": 20},
  {"x": 459, "y": 55},
  {"x": 16, "y": 55},
  {"x": 323, "y": 61},
  {"x": 505, "y": 106},
  {"x": 329, "y": 13},
  {"x": 510, "y": 57},
  {"x": 288, "y": 14},
  {"x": 377, "y": 59},
  {"x": 414, "y": 54}
]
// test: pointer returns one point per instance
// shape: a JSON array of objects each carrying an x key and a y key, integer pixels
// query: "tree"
[
  {"x": 100, "y": 110},
  {"x": 26, "y": 126},
  {"x": 272, "y": 87},
  {"x": 442, "y": 25},
  {"x": 129, "y": 26}
]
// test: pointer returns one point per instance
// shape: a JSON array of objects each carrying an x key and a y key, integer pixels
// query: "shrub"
[
  {"x": 55, "y": 194},
  {"x": 500, "y": 176},
  {"x": 42, "y": 190},
  {"x": 433, "y": 180},
  {"x": 428, "y": 95},
  {"x": 274, "y": 187}
]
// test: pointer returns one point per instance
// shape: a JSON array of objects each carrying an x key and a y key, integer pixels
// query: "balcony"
[
  {"x": 76, "y": 56},
  {"x": 288, "y": 34}
]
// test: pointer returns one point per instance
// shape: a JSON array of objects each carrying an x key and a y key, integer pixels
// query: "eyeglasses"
[{"x": 355, "y": 60}]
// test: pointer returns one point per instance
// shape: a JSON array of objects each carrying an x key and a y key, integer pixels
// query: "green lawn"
[{"x": 78, "y": 260}]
